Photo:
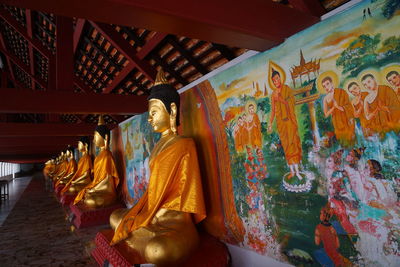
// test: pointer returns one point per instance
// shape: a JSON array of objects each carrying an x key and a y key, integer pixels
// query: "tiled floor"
[
  {"x": 36, "y": 232},
  {"x": 16, "y": 188}
]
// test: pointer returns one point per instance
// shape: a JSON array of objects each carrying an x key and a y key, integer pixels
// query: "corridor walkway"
[{"x": 36, "y": 232}]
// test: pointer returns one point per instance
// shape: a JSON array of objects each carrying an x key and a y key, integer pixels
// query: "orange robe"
[
  {"x": 363, "y": 120},
  {"x": 174, "y": 184},
  {"x": 47, "y": 169},
  {"x": 104, "y": 166},
  {"x": 60, "y": 168},
  {"x": 254, "y": 132},
  {"x": 71, "y": 168},
  {"x": 84, "y": 165},
  {"x": 286, "y": 122},
  {"x": 341, "y": 120},
  {"x": 384, "y": 122}
]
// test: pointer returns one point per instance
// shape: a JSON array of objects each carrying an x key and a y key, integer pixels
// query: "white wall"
[{"x": 247, "y": 258}]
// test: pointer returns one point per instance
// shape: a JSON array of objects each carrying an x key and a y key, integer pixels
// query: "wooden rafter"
[
  {"x": 64, "y": 102},
  {"x": 243, "y": 26},
  {"x": 125, "y": 48},
  {"x": 146, "y": 49},
  {"x": 28, "y": 15}
]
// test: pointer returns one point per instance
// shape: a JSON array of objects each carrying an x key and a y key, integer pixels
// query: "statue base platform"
[
  {"x": 211, "y": 252},
  {"x": 67, "y": 199},
  {"x": 87, "y": 217}
]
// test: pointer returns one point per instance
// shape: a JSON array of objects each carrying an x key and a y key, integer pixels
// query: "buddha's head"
[
  {"x": 101, "y": 134},
  {"x": 69, "y": 152},
  {"x": 83, "y": 144},
  {"x": 163, "y": 106}
]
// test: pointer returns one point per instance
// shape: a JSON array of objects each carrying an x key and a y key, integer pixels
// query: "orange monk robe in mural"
[
  {"x": 338, "y": 105},
  {"x": 283, "y": 104},
  {"x": 383, "y": 110},
  {"x": 253, "y": 127},
  {"x": 240, "y": 134},
  {"x": 84, "y": 165},
  {"x": 358, "y": 105}
]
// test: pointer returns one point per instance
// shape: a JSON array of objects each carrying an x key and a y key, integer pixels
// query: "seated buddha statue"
[
  {"x": 161, "y": 226},
  {"x": 82, "y": 176},
  {"x": 70, "y": 169},
  {"x": 101, "y": 192},
  {"x": 61, "y": 167}
]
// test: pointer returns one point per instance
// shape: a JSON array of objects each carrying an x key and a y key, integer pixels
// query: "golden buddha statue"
[
  {"x": 61, "y": 167},
  {"x": 70, "y": 169},
  {"x": 101, "y": 192},
  {"x": 82, "y": 176},
  {"x": 161, "y": 226}
]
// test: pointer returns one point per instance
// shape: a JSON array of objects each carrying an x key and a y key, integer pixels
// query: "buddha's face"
[
  {"x": 81, "y": 146},
  {"x": 68, "y": 154},
  {"x": 159, "y": 117},
  {"x": 355, "y": 90},
  {"x": 99, "y": 141},
  {"x": 370, "y": 83},
  {"x": 394, "y": 80},
  {"x": 276, "y": 80}
]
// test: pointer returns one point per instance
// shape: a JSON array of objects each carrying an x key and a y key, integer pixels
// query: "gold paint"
[
  {"x": 82, "y": 176},
  {"x": 160, "y": 78},
  {"x": 101, "y": 191},
  {"x": 161, "y": 225}
]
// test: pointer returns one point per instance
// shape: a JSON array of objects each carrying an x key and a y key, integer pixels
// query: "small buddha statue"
[
  {"x": 161, "y": 226},
  {"x": 61, "y": 166},
  {"x": 101, "y": 192},
  {"x": 82, "y": 176},
  {"x": 70, "y": 169}
]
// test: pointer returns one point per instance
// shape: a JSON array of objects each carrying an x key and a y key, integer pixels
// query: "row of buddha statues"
[{"x": 161, "y": 226}]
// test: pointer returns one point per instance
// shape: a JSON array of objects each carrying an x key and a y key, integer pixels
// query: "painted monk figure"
[
  {"x": 382, "y": 106},
  {"x": 253, "y": 126},
  {"x": 358, "y": 105},
  {"x": 337, "y": 104},
  {"x": 239, "y": 135},
  {"x": 283, "y": 109},
  {"x": 161, "y": 226},
  {"x": 393, "y": 77}
]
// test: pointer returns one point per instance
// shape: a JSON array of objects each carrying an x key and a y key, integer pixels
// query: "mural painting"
[
  {"x": 299, "y": 145},
  {"x": 138, "y": 140},
  {"x": 313, "y": 136}
]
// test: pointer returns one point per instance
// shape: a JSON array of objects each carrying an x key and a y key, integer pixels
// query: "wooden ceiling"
[{"x": 64, "y": 62}]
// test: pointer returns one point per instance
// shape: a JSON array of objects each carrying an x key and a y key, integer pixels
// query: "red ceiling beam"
[
  {"x": 29, "y": 141},
  {"x": 47, "y": 129},
  {"x": 31, "y": 149},
  {"x": 22, "y": 66},
  {"x": 21, "y": 30},
  {"x": 125, "y": 48},
  {"x": 3, "y": 45},
  {"x": 80, "y": 24},
  {"x": 28, "y": 15},
  {"x": 27, "y": 101},
  {"x": 64, "y": 53},
  {"x": 144, "y": 51},
  {"x": 313, "y": 7},
  {"x": 256, "y": 24},
  {"x": 27, "y": 158}
]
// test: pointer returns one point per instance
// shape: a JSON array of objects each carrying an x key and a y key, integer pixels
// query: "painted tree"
[
  {"x": 360, "y": 54},
  {"x": 390, "y": 8}
]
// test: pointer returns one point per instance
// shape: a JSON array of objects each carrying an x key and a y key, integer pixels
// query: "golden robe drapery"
[
  {"x": 175, "y": 184},
  {"x": 84, "y": 165}
]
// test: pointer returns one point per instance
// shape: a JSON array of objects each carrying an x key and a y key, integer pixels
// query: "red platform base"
[
  {"x": 211, "y": 252},
  {"x": 86, "y": 217},
  {"x": 67, "y": 198}
]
